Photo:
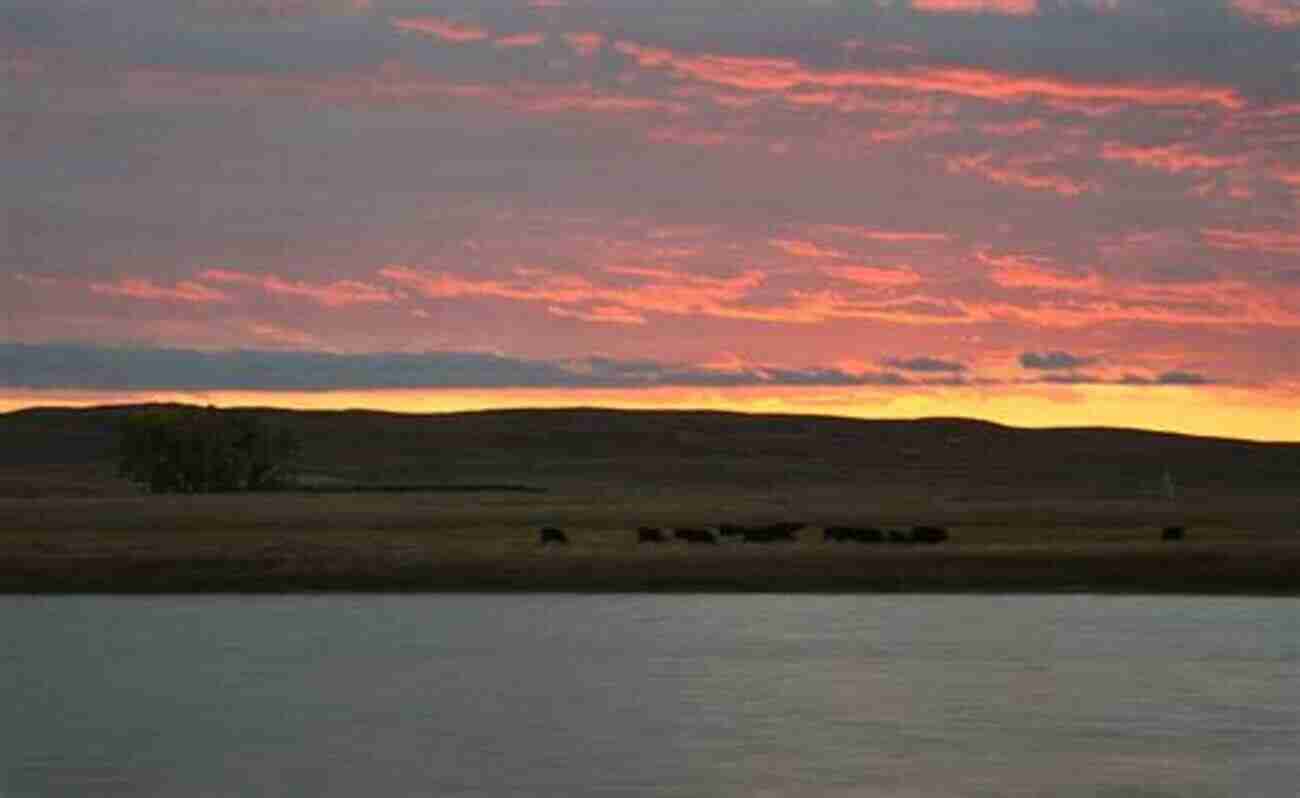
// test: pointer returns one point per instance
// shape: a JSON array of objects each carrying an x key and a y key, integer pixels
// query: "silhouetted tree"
[{"x": 191, "y": 450}]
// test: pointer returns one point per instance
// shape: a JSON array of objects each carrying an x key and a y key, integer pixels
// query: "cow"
[
  {"x": 837, "y": 534},
  {"x": 695, "y": 535},
  {"x": 1172, "y": 533},
  {"x": 772, "y": 533},
  {"x": 856, "y": 534},
  {"x": 730, "y": 530},
  {"x": 649, "y": 534},
  {"x": 550, "y": 534},
  {"x": 929, "y": 534}
]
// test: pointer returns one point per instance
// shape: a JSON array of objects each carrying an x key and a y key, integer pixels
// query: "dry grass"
[{"x": 483, "y": 541}]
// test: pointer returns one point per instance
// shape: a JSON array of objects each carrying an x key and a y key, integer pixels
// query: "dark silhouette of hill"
[{"x": 72, "y": 452}]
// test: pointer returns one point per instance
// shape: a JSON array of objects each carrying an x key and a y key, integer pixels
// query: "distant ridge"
[{"x": 553, "y": 447}]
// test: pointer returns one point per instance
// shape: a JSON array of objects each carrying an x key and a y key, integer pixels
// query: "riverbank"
[{"x": 1219, "y": 569}]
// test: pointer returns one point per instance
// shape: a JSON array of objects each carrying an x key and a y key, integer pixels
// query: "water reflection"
[{"x": 649, "y": 695}]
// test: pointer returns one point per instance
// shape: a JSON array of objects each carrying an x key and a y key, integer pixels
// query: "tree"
[{"x": 205, "y": 450}]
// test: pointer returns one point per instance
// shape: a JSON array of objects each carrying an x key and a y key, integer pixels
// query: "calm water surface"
[{"x": 519, "y": 695}]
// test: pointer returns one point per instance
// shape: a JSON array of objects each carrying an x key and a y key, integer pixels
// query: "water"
[{"x": 523, "y": 695}]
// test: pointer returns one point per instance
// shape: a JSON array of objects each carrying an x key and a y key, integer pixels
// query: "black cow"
[
  {"x": 550, "y": 534},
  {"x": 1173, "y": 533},
  {"x": 929, "y": 534},
  {"x": 730, "y": 530},
  {"x": 695, "y": 535},
  {"x": 856, "y": 534},
  {"x": 772, "y": 533},
  {"x": 649, "y": 534}
]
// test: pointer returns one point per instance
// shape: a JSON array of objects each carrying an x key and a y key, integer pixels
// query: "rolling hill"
[{"x": 71, "y": 452}]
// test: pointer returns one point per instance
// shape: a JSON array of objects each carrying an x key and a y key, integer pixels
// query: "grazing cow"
[
  {"x": 549, "y": 534},
  {"x": 695, "y": 535},
  {"x": 649, "y": 534},
  {"x": 929, "y": 534},
  {"x": 772, "y": 533},
  {"x": 730, "y": 530},
  {"x": 856, "y": 534},
  {"x": 1172, "y": 533}
]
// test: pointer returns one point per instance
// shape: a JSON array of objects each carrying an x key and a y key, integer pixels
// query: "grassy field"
[
  {"x": 481, "y": 541},
  {"x": 1028, "y": 510}
]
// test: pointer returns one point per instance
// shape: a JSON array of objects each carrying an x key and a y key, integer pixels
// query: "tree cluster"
[{"x": 192, "y": 450}]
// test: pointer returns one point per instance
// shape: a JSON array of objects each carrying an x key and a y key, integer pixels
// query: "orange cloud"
[
  {"x": 873, "y": 234},
  {"x": 1173, "y": 158},
  {"x": 1275, "y": 13},
  {"x": 1268, "y": 241},
  {"x": 184, "y": 291},
  {"x": 674, "y": 293},
  {"x": 585, "y": 44},
  {"x": 282, "y": 336},
  {"x": 520, "y": 40},
  {"x": 678, "y": 134},
  {"x": 780, "y": 75},
  {"x": 601, "y": 314},
  {"x": 445, "y": 29},
  {"x": 805, "y": 249},
  {"x": 394, "y": 85},
  {"x": 1012, "y": 128},
  {"x": 879, "y": 276},
  {"x": 1010, "y": 7},
  {"x": 1291, "y": 178},
  {"x": 662, "y": 290},
  {"x": 340, "y": 293},
  {"x": 1010, "y": 271},
  {"x": 1016, "y": 173}
]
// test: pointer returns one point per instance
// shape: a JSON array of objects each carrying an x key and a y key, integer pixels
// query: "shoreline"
[{"x": 1249, "y": 569}]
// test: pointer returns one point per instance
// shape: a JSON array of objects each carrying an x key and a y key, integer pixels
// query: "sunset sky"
[{"x": 1039, "y": 212}]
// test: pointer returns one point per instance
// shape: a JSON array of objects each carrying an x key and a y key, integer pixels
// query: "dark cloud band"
[{"x": 74, "y": 366}]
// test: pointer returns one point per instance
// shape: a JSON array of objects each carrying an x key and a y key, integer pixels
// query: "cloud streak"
[{"x": 64, "y": 366}]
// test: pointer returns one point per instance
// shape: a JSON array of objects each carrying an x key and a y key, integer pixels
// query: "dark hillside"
[{"x": 72, "y": 451}]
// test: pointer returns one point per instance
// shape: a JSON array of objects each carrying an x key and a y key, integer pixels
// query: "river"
[{"x": 371, "y": 696}]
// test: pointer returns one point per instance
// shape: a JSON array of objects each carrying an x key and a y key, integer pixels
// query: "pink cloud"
[
  {"x": 1011, "y": 271},
  {"x": 672, "y": 293},
  {"x": 1275, "y": 13},
  {"x": 268, "y": 333},
  {"x": 1276, "y": 242},
  {"x": 1173, "y": 158},
  {"x": 1016, "y": 172},
  {"x": 780, "y": 75},
  {"x": 585, "y": 44},
  {"x": 600, "y": 314},
  {"x": 876, "y": 276},
  {"x": 805, "y": 249},
  {"x": 394, "y": 85},
  {"x": 144, "y": 288},
  {"x": 445, "y": 29},
  {"x": 1010, "y": 7},
  {"x": 875, "y": 234},
  {"x": 681, "y": 134},
  {"x": 339, "y": 293},
  {"x": 520, "y": 40},
  {"x": 1012, "y": 128}
]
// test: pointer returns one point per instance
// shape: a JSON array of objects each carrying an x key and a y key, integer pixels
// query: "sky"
[{"x": 1037, "y": 212}]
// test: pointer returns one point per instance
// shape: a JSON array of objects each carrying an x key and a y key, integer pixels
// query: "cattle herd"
[{"x": 785, "y": 532}]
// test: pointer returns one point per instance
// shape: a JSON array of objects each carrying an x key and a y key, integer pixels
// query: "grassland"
[{"x": 1027, "y": 511}]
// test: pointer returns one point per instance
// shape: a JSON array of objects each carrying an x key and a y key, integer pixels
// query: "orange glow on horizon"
[{"x": 1216, "y": 411}]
